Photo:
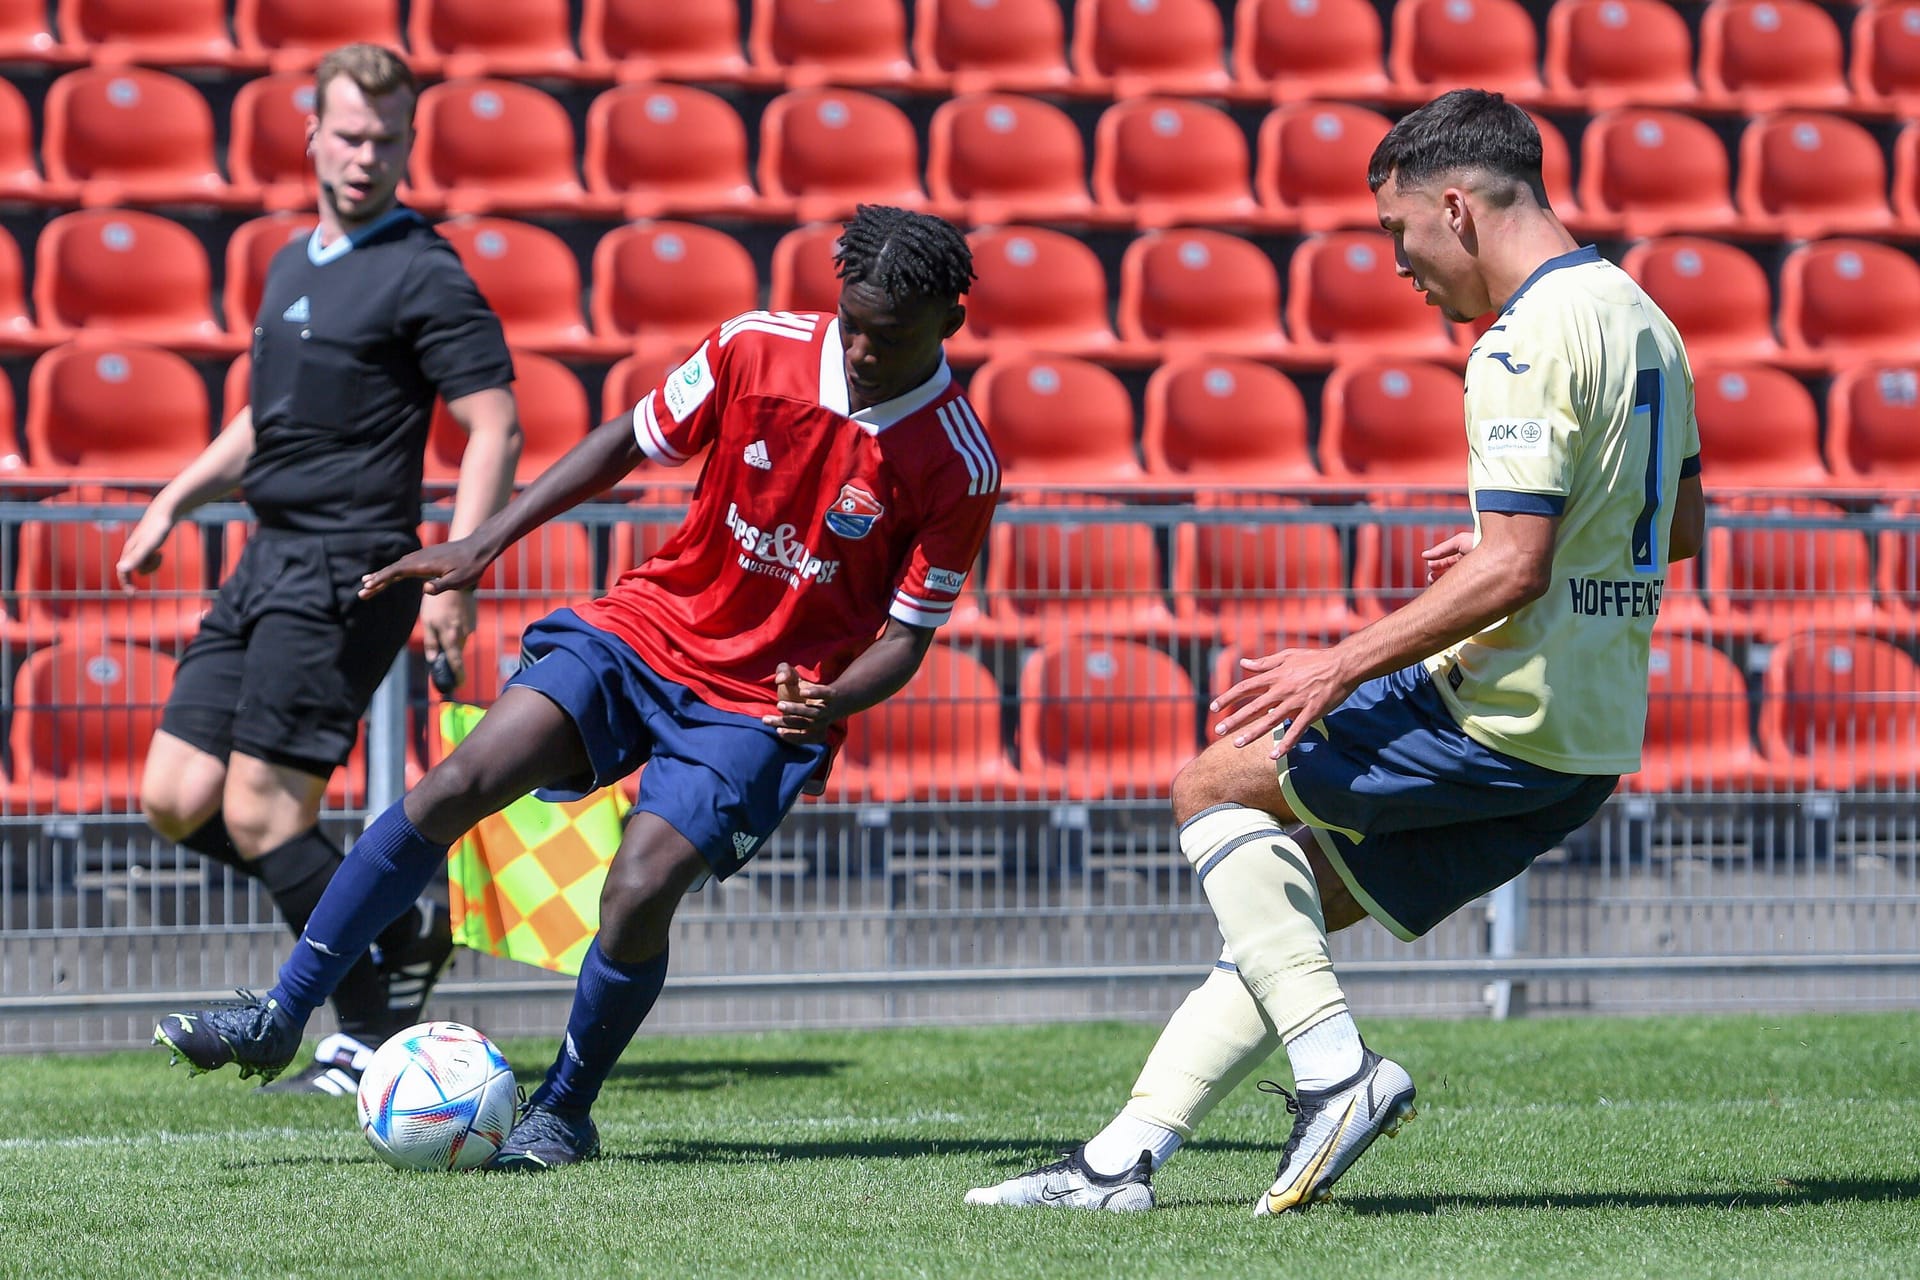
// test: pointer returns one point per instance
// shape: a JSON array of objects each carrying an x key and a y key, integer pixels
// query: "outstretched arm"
[
  {"x": 214, "y": 474},
  {"x": 882, "y": 670}
]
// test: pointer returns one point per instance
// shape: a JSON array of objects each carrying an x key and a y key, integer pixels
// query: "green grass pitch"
[{"x": 1772, "y": 1147}]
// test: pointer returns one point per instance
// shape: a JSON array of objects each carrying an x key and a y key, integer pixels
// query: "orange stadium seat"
[
  {"x": 18, "y": 332},
  {"x": 668, "y": 150},
  {"x": 531, "y": 279},
  {"x": 461, "y": 38},
  {"x": 189, "y": 33},
  {"x": 1311, "y": 166},
  {"x": 1699, "y": 735},
  {"x": 1714, "y": 292},
  {"x": 1287, "y": 51},
  {"x": 27, "y": 35},
  {"x": 20, "y": 177},
  {"x": 1886, "y": 57},
  {"x": 1221, "y": 420},
  {"x": 553, "y": 419},
  {"x": 1037, "y": 288},
  {"x": 1262, "y": 578},
  {"x": 1104, "y": 719},
  {"x": 803, "y": 274},
  {"x": 487, "y": 146},
  {"x": 1612, "y": 53},
  {"x": 1131, "y": 47},
  {"x": 816, "y": 42},
  {"x": 114, "y": 411},
  {"x": 1490, "y": 44},
  {"x": 1897, "y": 578},
  {"x": 938, "y": 739},
  {"x": 250, "y": 251},
  {"x": 1016, "y": 46},
  {"x": 1394, "y": 422},
  {"x": 1806, "y": 174},
  {"x": 267, "y": 147},
  {"x": 293, "y": 35},
  {"x": 1168, "y": 161},
  {"x": 1759, "y": 429},
  {"x": 128, "y": 135},
  {"x": 1657, "y": 172},
  {"x": 1057, "y": 421},
  {"x": 1766, "y": 582},
  {"x": 645, "y": 40},
  {"x": 1201, "y": 290},
  {"x": 82, "y": 718},
  {"x": 1873, "y": 425},
  {"x": 1847, "y": 300},
  {"x": 1345, "y": 297},
  {"x": 1008, "y": 158},
  {"x": 663, "y": 285},
  {"x": 1842, "y": 711},
  {"x": 1388, "y": 569},
  {"x": 127, "y": 273},
  {"x": 1762, "y": 55},
  {"x": 1906, "y": 175},
  {"x": 828, "y": 150}
]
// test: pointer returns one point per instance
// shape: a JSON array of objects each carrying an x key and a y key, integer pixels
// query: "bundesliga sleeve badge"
[{"x": 854, "y": 512}]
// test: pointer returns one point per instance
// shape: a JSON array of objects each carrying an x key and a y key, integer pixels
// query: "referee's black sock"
[
  {"x": 296, "y": 874},
  {"x": 212, "y": 840}
]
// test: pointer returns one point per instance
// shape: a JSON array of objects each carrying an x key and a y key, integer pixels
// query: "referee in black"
[{"x": 359, "y": 328}]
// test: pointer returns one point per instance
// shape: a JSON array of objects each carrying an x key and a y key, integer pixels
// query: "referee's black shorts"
[{"x": 289, "y": 656}]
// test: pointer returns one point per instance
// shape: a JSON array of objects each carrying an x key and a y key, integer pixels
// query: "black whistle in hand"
[{"x": 440, "y": 671}]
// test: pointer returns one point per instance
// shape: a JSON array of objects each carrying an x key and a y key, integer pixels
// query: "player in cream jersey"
[{"x": 1436, "y": 753}]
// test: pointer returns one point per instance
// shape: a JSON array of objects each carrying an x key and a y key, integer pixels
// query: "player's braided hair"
[{"x": 905, "y": 255}]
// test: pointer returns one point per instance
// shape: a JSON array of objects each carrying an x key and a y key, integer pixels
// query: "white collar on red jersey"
[{"x": 875, "y": 418}]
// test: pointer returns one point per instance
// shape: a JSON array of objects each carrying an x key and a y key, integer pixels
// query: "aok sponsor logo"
[{"x": 778, "y": 551}]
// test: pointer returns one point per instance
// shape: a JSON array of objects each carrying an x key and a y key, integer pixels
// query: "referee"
[{"x": 359, "y": 328}]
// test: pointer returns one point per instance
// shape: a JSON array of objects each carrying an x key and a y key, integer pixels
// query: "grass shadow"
[
  {"x": 1781, "y": 1193},
  {"x": 1015, "y": 1154},
  {"x": 696, "y": 1075}
]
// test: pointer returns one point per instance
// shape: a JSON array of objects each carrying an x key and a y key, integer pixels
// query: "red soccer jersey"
[{"x": 810, "y": 525}]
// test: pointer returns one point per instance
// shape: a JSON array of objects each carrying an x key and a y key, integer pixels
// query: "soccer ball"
[{"x": 437, "y": 1096}]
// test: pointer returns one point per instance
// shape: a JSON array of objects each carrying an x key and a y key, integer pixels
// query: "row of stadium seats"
[
  {"x": 1752, "y": 55},
  {"x": 1093, "y": 720}
]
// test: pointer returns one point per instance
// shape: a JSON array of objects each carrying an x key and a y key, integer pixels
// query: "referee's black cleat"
[
  {"x": 546, "y": 1138},
  {"x": 411, "y": 968},
  {"x": 252, "y": 1034}
]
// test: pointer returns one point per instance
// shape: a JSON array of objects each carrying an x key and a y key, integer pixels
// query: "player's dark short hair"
[
  {"x": 377, "y": 69},
  {"x": 905, "y": 255},
  {"x": 1461, "y": 129}
]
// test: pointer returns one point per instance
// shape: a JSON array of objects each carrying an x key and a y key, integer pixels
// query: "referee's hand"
[{"x": 141, "y": 552}]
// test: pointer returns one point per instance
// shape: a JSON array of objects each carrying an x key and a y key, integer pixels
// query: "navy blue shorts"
[
  {"x": 721, "y": 779},
  {"x": 1418, "y": 818}
]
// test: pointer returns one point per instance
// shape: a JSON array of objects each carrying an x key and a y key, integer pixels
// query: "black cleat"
[
  {"x": 335, "y": 1070},
  {"x": 546, "y": 1138},
  {"x": 252, "y": 1034},
  {"x": 411, "y": 968}
]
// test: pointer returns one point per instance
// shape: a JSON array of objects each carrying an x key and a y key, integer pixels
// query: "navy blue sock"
[
  {"x": 609, "y": 1005},
  {"x": 380, "y": 878}
]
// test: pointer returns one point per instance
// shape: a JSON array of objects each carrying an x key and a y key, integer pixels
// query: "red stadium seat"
[
  {"x": 553, "y": 419},
  {"x": 1201, "y": 290},
  {"x": 664, "y": 285},
  {"x": 817, "y": 42},
  {"x": 1699, "y": 735},
  {"x": 82, "y": 718},
  {"x": 236, "y": 389},
  {"x": 1683, "y": 611},
  {"x": 646, "y": 40},
  {"x": 828, "y": 150},
  {"x": 1016, "y": 46},
  {"x": 1842, "y": 711},
  {"x": 1847, "y": 300},
  {"x": 1762, "y": 55},
  {"x": 18, "y": 332},
  {"x": 1290, "y": 51},
  {"x": 1388, "y": 569},
  {"x": 669, "y": 150},
  {"x": 27, "y": 35},
  {"x": 1906, "y": 174},
  {"x": 1104, "y": 720},
  {"x": 489, "y": 146},
  {"x": 1657, "y": 172},
  {"x": 1312, "y": 164},
  {"x": 129, "y": 274},
  {"x": 13, "y": 457},
  {"x": 1765, "y": 582},
  {"x": 191, "y": 33},
  {"x": 1556, "y": 174},
  {"x": 268, "y": 148},
  {"x": 20, "y": 177},
  {"x": 461, "y": 38},
  {"x": 1490, "y": 44},
  {"x": 1615, "y": 53},
  {"x": 1008, "y": 158},
  {"x": 1394, "y": 422},
  {"x": 1897, "y": 578},
  {"x": 1131, "y": 47},
  {"x": 1759, "y": 429},
  {"x": 1873, "y": 425},
  {"x": 250, "y": 251},
  {"x": 1057, "y": 421},
  {"x": 550, "y": 568},
  {"x": 938, "y": 739},
  {"x": 1886, "y": 57},
  {"x": 114, "y": 411},
  {"x": 1805, "y": 174},
  {"x": 1345, "y": 297},
  {"x": 531, "y": 279},
  {"x": 1221, "y": 420},
  {"x": 804, "y": 275},
  {"x": 1038, "y": 289},
  {"x": 1168, "y": 161},
  {"x": 128, "y": 135},
  {"x": 1714, "y": 292},
  {"x": 293, "y": 35},
  {"x": 1264, "y": 578}
]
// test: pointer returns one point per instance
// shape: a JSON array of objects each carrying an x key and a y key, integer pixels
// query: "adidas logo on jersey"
[
  {"x": 298, "y": 312},
  {"x": 756, "y": 456}
]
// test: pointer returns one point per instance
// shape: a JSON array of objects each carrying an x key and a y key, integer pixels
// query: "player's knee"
[
  {"x": 1196, "y": 788},
  {"x": 173, "y": 814}
]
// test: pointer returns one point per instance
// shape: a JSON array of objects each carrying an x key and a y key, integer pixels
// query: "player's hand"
[
  {"x": 450, "y": 566},
  {"x": 446, "y": 620},
  {"x": 141, "y": 552},
  {"x": 1445, "y": 555},
  {"x": 806, "y": 708},
  {"x": 1294, "y": 688}
]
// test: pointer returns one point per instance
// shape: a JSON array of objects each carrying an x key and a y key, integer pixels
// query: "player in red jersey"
[{"x": 847, "y": 490}]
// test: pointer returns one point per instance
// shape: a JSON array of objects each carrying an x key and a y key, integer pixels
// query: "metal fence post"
[
  {"x": 1506, "y": 924},
  {"x": 387, "y": 739}
]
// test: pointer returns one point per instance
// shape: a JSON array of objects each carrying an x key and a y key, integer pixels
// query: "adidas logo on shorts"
[{"x": 743, "y": 843}]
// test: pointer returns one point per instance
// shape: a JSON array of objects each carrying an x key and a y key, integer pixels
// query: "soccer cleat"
[
  {"x": 335, "y": 1069},
  {"x": 410, "y": 969},
  {"x": 545, "y": 1138},
  {"x": 1070, "y": 1184},
  {"x": 251, "y": 1033},
  {"x": 1332, "y": 1128}
]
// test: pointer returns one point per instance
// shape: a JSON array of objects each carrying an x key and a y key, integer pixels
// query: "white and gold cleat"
[{"x": 1332, "y": 1128}]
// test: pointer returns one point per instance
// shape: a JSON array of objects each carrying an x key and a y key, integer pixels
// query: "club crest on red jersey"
[{"x": 854, "y": 512}]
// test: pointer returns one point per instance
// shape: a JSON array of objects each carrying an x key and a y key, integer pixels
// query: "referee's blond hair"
[{"x": 377, "y": 69}]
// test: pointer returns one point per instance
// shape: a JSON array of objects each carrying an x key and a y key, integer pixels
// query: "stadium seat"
[
  {"x": 1346, "y": 298},
  {"x": 532, "y": 280},
  {"x": 267, "y": 150},
  {"x": 1846, "y": 300},
  {"x": 1205, "y": 290},
  {"x": 1615, "y": 53},
  {"x": 1764, "y": 55},
  {"x": 1311, "y": 165},
  {"x": 645, "y": 40},
  {"x": 550, "y": 568},
  {"x": 1265, "y": 577},
  {"x": 20, "y": 177},
  {"x": 250, "y": 251},
  {"x": 1873, "y": 425},
  {"x": 83, "y": 715},
  {"x": 13, "y": 454},
  {"x": 1699, "y": 736},
  {"x": 937, "y": 740},
  {"x": 669, "y": 150},
  {"x": 1104, "y": 720},
  {"x": 1039, "y": 289},
  {"x": 803, "y": 274},
  {"x": 1006, "y": 158},
  {"x": 1168, "y": 161},
  {"x": 1885, "y": 72},
  {"x": 1490, "y": 44},
  {"x": 488, "y": 146},
  {"x": 18, "y": 332},
  {"x": 1683, "y": 610},
  {"x": 808, "y": 43},
  {"x": 1394, "y": 422},
  {"x": 114, "y": 411},
  {"x": 1221, "y": 420},
  {"x": 1129, "y": 48},
  {"x": 1556, "y": 174},
  {"x": 1897, "y": 576},
  {"x": 128, "y": 135},
  {"x": 1842, "y": 712},
  {"x": 236, "y": 389},
  {"x": 293, "y": 35},
  {"x": 27, "y": 36},
  {"x": 1765, "y": 582},
  {"x": 1906, "y": 174},
  {"x": 1013, "y": 46},
  {"x": 664, "y": 285},
  {"x": 1806, "y": 174},
  {"x": 1057, "y": 422},
  {"x": 185, "y": 33},
  {"x": 1288, "y": 51},
  {"x": 1388, "y": 569},
  {"x": 527, "y": 38},
  {"x": 1759, "y": 429},
  {"x": 1714, "y": 292},
  {"x": 1657, "y": 172},
  {"x": 553, "y": 419},
  {"x": 828, "y": 150},
  {"x": 127, "y": 273}
]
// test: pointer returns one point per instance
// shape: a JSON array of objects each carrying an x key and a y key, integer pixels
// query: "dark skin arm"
[{"x": 807, "y": 709}]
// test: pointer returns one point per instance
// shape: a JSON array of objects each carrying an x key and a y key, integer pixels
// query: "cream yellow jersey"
[{"x": 1579, "y": 405}]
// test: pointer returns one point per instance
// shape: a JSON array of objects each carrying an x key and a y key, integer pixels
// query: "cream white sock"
[
  {"x": 1325, "y": 1054},
  {"x": 1117, "y": 1147}
]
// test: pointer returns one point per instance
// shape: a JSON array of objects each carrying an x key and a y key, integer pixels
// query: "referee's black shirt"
[{"x": 349, "y": 348}]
